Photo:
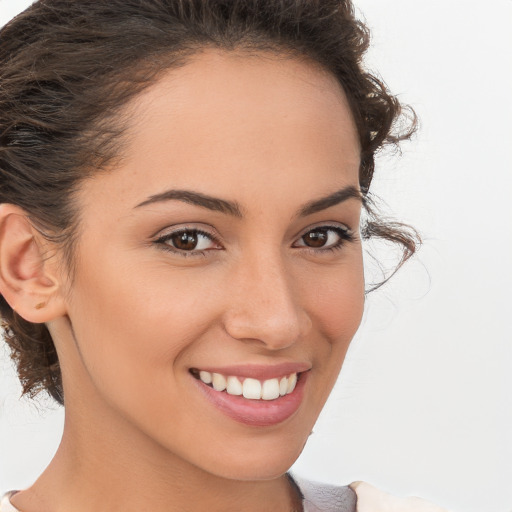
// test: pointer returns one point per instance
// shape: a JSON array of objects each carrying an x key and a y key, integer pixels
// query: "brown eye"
[
  {"x": 325, "y": 238},
  {"x": 316, "y": 238},
  {"x": 186, "y": 240}
]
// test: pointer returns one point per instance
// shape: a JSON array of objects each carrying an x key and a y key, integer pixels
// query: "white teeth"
[
  {"x": 270, "y": 389},
  {"x": 283, "y": 386},
  {"x": 206, "y": 377},
  {"x": 252, "y": 389},
  {"x": 218, "y": 382},
  {"x": 292, "y": 382},
  {"x": 234, "y": 386}
]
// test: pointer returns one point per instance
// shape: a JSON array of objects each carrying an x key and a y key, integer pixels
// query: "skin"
[{"x": 273, "y": 134}]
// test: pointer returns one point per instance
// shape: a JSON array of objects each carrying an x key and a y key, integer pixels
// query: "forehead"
[
  {"x": 235, "y": 121},
  {"x": 237, "y": 93}
]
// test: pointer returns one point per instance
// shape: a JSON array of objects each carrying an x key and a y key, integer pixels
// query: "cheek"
[
  {"x": 336, "y": 309},
  {"x": 133, "y": 322},
  {"x": 338, "y": 302}
]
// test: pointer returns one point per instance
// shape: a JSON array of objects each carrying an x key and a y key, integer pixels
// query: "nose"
[{"x": 264, "y": 305}]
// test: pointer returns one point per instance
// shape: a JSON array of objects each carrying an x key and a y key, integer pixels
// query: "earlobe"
[{"x": 27, "y": 281}]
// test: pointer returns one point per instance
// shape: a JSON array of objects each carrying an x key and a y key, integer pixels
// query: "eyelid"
[
  {"x": 187, "y": 226},
  {"x": 326, "y": 225}
]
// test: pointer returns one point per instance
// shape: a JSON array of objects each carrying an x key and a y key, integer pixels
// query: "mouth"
[
  {"x": 254, "y": 396},
  {"x": 249, "y": 388}
]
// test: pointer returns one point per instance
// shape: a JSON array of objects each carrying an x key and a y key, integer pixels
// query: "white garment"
[
  {"x": 370, "y": 499},
  {"x": 358, "y": 497},
  {"x": 5, "y": 504}
]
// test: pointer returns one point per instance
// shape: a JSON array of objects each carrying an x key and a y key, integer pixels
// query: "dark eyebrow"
[
  {"x": 234, "y": 209},
  {"x": 198, "y": 199},
  {"x": 337, "y": 197}
]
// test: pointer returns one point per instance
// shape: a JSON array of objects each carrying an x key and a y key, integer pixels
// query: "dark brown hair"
[{"x": 68, "y": 67}]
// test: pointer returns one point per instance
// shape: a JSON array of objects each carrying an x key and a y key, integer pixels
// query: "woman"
[{"x": 180, "y": 243}]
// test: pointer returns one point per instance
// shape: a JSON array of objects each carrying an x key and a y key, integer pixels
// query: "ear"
[{"x": 28, "y": 279}]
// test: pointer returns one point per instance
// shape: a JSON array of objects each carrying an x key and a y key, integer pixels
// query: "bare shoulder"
[{"x": 371, "y": 499}]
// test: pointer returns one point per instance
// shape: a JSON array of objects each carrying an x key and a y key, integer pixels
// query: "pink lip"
[
  {"x": 256, "y": 413},
  {"x": 259, "y": 372}
]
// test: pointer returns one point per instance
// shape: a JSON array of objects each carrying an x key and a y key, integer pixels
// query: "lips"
[{"x": 254, "y": 395}]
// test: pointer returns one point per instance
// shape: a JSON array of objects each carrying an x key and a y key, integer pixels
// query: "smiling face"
[{"x": 225, "y": 247}]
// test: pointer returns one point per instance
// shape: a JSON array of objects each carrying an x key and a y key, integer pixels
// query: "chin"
[
  {"x": 269, "y": 470},
  {"x": 261, "y": 461}
]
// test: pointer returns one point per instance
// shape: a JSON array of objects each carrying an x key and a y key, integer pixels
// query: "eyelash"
[{"x": 345, "y": 235}]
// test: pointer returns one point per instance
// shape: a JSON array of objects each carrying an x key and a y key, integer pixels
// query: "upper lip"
[{"x": 258, "y": 371}]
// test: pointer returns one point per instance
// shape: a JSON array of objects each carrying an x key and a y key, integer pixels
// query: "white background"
[{"x": 424, "y": 402}]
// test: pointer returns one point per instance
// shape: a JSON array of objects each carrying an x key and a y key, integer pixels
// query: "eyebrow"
[
  {"x": 323, "y": 203},
  {"x": 234, "y": 209}
]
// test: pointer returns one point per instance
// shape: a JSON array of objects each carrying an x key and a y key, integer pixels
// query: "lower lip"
[{"x": 257, "y": 413}]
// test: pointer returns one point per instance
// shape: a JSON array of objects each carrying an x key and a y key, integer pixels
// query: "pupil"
[
  {"x": 316, "y": 238},
  {"x": 185, "y": 241}
]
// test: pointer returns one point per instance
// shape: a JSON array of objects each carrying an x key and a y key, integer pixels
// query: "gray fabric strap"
[{"x": 326, "y": 498}]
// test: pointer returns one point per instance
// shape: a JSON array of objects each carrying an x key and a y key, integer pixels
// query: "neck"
[{"x": 113, "y": 468}]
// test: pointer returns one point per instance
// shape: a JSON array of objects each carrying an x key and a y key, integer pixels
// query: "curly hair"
[{"x": 68, "y": 67}]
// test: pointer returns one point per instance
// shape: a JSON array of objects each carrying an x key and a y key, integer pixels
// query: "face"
[{"x": 225, "y": 248}]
